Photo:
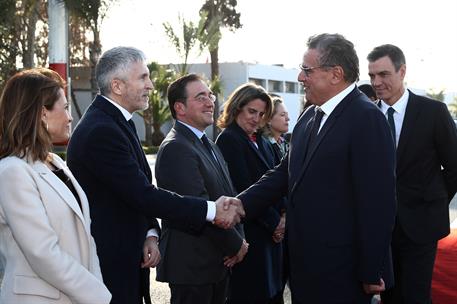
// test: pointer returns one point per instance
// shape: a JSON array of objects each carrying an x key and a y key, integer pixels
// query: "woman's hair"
[
  {"x": 266, "y": 130},
  {"x": 22, "y": 130},
  {"x": 241, "y": 97}
]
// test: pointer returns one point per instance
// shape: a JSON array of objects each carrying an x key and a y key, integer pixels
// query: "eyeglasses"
[
  {"x": 308, "y": 70},
  {"x": 203, "y": 98}
]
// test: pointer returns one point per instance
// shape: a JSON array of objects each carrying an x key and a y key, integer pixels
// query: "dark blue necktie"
[
  {"x": 317, "y": 119},
  {"x": 316, "y": 123},
  {"x": 390, "y": 120},
  {"x": 207, "y": 145},
  {"x": 132, "y": 125}
]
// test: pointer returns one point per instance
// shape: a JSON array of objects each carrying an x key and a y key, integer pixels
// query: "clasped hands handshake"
[{"x": 229, "y": 211}]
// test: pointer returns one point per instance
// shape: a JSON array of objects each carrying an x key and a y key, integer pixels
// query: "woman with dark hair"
[
  {"x": 258, "y": 278},
  {"x": 49, "y": 253}
]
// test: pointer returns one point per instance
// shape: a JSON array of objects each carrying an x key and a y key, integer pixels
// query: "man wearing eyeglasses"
[
  {"x": 196, "y": 266},
  {"x": 426, "y": 141},
  {"x": 339, "y": 178}
]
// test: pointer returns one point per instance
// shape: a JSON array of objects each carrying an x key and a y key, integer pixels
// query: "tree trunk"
[
  {"x": 148, "y": 132},
  {"x": 214, "y": 62},
  {"x": 94, "y": 53},
  {"x": 75, "y": 103},
  {"x": 30, "y": 27},
  {"x": 157, "y": 136},
  {"x": 215, "y": 73}
]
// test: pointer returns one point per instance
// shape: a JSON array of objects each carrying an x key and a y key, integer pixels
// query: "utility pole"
[{"x": 58, "y": 43}]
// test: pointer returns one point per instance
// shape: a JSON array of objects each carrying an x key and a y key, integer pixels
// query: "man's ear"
[
  {"x": 337, "y": 74},
  {"x": 179, "y": 108},
  {"x": 403, "y": 71},
  {"x": 117, "y": 86}
]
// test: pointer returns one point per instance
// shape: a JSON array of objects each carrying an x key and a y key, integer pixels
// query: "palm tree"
[
  {"x": 219, "y": 14},
  {"x": 184, "y": 41},
  {"x": 452, "y": 107},
  {"x": 158, "y": 112},
  {"x": 436, "y": 95}
]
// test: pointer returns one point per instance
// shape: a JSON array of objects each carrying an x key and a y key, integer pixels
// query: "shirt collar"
[
  {"x": 124, "y": 112},
  {"x": 196, "y": 131},
  {"x": 399, "y": 106},
  {"x": 331, "y": 104}
]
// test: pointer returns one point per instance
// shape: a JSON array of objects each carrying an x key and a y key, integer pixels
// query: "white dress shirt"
[
  {"x": 330, "y": 105},
  {"x": 399, "y": 114}
]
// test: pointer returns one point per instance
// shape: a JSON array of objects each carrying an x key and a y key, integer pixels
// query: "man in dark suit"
[
  {"x": 426, "y": 141},
  {"x": 339, "y": 177},
  {"x": 106, "y": 157},
  {"x": 190, "y": 164}
]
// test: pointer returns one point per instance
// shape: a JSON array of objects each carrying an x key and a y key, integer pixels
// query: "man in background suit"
[
  {"x": 339, "y": 177},
  {"x": 193, "y": 264},
  {"x": 426, "y": 141},
  {"x": 106, "y": 157}
]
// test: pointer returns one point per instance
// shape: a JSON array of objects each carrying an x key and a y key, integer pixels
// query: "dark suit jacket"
[
  {"x": 185, "y": 166},
  {"x": 105, "y": 156},
  {"x": 341, "y": 204},
  {"x": 426, "y": 169},
  {"x": 259, "y": 276}
]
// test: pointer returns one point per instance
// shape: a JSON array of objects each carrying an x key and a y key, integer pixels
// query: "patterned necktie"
[
  {"x": 390, "y": 120},
  {"x": 318, "y": 114}
]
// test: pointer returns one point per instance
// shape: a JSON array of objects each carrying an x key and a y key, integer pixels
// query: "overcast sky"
[{"x": 275, "y": 32}]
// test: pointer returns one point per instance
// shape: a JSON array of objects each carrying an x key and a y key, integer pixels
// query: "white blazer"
[{"x": 45, "y": 238}]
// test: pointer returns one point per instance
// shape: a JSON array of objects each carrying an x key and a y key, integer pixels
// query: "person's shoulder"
[
  {"x": 13, "y": 166},
  {"x": 11, "y": 161},
  {"x": 427, "y": 102}
]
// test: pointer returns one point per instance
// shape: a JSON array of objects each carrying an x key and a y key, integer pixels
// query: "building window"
[
  {"x": 274, "y": 86},
  {"x": 291, "y": 87},
  {"x": 257, "y": 81}
]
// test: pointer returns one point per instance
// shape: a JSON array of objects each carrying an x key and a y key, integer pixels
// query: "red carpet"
[{"x": 444, "y": 284}]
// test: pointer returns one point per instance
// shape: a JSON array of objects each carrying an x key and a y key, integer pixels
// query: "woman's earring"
[{"x": 47, "y": 127}]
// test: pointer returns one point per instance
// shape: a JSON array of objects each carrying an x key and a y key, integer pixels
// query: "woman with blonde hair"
[
  {"x": 46, "y": 244},
  {"x": 275, "y": 129}
]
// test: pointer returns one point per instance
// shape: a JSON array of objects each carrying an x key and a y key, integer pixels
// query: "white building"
[{"x": 274, "y": 78}]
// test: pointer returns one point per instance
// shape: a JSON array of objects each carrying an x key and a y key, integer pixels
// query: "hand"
[
  {"x": 229, "y": 211},
  {"x": 374, "y": 288},
  {"x": 151, "y": 253},
  {"x": 231, "y": 261},
  {"x": 278, "y": 234}
]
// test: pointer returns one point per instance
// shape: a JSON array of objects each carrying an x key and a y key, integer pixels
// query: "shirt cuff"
[
  {"x": 152, "y": 232},
  {"x": 211, "y": 213}
]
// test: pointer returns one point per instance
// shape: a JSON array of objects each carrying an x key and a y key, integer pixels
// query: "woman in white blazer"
[{"x": 45, "y": 239}]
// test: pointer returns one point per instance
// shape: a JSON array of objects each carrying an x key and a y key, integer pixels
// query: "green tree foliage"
[
  {"x": 23, "y": 35},
  {"x": 184, "y": 40},
  {"x": 91, "y": 13},
  {"x": 158, "y": 112},
  {"x": 219, "y": 14},
  {"x": 452, "y": 107},
  {"x": 436, "y": 95}
]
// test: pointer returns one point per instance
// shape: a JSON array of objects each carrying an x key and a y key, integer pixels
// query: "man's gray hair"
[{"x": 115, "y": 63}]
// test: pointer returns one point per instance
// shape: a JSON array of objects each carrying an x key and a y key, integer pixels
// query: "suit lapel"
[
  {"x": 411, "y": 115},
  {"x": 67, "y": 196},
  {"x": 329, "y": 123},
  {"x": 103, "y": 104},
  {"x": 218, "y": 165}
]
